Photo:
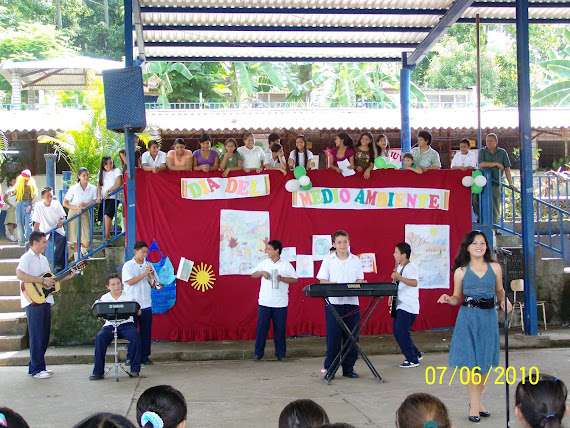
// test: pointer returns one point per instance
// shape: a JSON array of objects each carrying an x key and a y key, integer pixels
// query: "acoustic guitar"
[{"x": 37, "y": 293}]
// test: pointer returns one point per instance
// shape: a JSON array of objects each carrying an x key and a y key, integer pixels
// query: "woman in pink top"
[
  {"x": 179, "y": 159},
  {"x": 342, "y": 151}
]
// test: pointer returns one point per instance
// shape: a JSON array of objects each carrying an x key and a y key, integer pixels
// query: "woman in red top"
[{"x": 342, "y": 151}]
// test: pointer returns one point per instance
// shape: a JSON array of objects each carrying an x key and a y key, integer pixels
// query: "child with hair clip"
[
  {"x": 162, "y": 406},
  {"x": 409, "y": 164},
  {"x": 364, "y": 154},
  {"x": 11, "y": 419},
  {"x": 542, "y": 405},
  {"x": 301, "y": 156},
  {"x": 422, "y": 410},
  {"x": 232, "y": 159},
  {"x": 275, "y": 159}
]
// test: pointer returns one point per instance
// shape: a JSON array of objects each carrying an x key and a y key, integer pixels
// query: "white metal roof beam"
[
  {"x": 293, "y": 10},
  {"x": 286, "y": 29},
  {"x": 453, "y": 14}
]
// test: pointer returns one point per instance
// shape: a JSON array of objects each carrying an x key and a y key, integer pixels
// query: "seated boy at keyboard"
[{"x": 126, "y": 330}]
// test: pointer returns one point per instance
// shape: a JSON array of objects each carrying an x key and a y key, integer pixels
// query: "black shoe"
[
  {"x": 474, "y": 419},
  {"x": 257, "y": 358},
  {"x": 128, "y": 362},
  {"x": 280, "y": 358},
  {"x": 485, "y": 414},
  {"x": 148, "y": 362},
  {"x": 134, "y": 374},
  {"x": 351, "y": 374},
  {"x": 96, "y": 377}
]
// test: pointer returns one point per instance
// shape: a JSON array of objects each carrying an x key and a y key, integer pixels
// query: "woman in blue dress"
[{"x": 475, "y": 343}]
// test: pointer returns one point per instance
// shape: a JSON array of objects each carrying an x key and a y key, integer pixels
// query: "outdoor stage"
[{"x": 190, "y": 228}]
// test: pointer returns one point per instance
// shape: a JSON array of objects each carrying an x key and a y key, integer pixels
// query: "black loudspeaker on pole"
[{"x": 124, "y": 99}]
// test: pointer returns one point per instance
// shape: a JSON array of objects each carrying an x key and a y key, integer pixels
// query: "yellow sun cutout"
[{"x": 202, "y": 277}]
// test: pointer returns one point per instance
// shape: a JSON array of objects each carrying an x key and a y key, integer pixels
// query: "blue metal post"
[
  {"x": 66, "y": 179},
  {"x": 525, "y": 145},
  {"x": 129, "y": 145},
  {"x": 405, "y": 130},
  {"x": 50, "y": 170}
]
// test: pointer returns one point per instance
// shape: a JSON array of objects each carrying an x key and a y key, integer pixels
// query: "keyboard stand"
[{"x": 352, "y": 339}]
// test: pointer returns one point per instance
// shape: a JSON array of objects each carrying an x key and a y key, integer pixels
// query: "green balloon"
[
  {"x": 476, "y": 173},
  {"x": 307, "y": 187},
  {"x": 476, "y": 189},
  {"x": 391, "y": 166},
  {"x": 299, "y": 171},
  {"x": 380, "y": 163}
]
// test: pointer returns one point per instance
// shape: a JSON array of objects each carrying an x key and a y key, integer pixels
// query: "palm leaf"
[
  {"x": 346, "y": 95},
  {"x": 556, "y": 94},
  {"x": 244, "y": 78},
  {"x": 324, "y": 93},
  {"x": 182, "y": 69},
  {"x": 272, "y": 74}
]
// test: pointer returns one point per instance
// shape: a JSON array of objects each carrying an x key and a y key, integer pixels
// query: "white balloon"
[
  {"x": 304, "y": 180},
  {"x": 292, "y": 185},
  {"x": 480, "y": 181},
  {"x": 467, "y": 181}
]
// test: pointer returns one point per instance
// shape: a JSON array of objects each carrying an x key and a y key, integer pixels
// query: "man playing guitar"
[{"x": 33, "y": 264}]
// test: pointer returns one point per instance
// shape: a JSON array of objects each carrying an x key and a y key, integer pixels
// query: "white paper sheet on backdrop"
[
  {"x": 243, "y": 237},
  {"x": 430, "y": 253},
  {"x": 305, "y": 266}
]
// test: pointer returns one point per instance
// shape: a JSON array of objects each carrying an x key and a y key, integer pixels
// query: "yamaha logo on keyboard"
[
  {"x": 353, "y": 286},
  {"x": 116, "y": 306}
]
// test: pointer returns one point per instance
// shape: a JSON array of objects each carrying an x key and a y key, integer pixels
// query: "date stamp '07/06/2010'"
[{"x": 468, "y": 375}]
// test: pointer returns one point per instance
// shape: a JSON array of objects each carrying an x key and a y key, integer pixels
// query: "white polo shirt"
[
  {"x": 302, "y": 161},
  {"x": 147, "y": 159},
  {"x": 48, "y": 217},
  {"x": 251, "y": 159},
  {"x": 35, "y": 265},
  {"x": 124, "y": 297},
  {"x": 76, "y": 195},
  {"x": 268, "y": 296},
  {"x": 109, "y": 180},
  {"x": 275, "y": 163},
  {"x": 141, "y": 290},
  {"x": 409, "y": 297},
  {"x": 344, "y": 271},
  {"x": 468, "y": 160}
]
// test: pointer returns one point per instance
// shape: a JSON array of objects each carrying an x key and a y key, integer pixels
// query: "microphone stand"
[{"x": 506, "y": 253}]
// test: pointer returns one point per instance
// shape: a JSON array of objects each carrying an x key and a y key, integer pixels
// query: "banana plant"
[
  {"x": 556, "y": 93},
  {"x": 157, "y": 76}
]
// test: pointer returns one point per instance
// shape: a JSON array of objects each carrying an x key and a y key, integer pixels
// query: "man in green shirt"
[{"x": 496, "y": 158}]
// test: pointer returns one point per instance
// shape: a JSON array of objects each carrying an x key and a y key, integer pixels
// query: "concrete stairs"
[{"x": 13, "y": 326}]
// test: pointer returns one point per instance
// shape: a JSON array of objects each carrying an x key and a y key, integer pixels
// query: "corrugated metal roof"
[
  {"x": 281, "y": 30},
  {"x": 241, "y": 120},
  {"x": 70, "y": 73}
]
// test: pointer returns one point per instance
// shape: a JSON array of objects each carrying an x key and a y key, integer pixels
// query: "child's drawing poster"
[
  {"x": 321, "y": 246},
  {"x": 368, "y": 261},
  {"x": 243, "y": 237},
  {"x": 430, "y": 253},
  {"x": 305, "y": 266},
  {"x": 289, "y": 254}
]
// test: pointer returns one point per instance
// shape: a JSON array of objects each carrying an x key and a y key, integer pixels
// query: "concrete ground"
[{"x": 243, "y": 393}]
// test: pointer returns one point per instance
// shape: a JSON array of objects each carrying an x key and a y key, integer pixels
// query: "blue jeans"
[
  {"x": 264, "y": 316},
  {"x": 402, "y": 332},
  {"x": 39, "y": 327},
  {"x": 24, "y": 221},
  {"x": 105, "y": 337},
  {"x": 336, "y": 334}
]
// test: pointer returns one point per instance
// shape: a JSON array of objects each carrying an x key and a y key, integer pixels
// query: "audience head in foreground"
[
  {"x": 422, "y": 410},
  {"x": 302, "y": 414},
  {"x": 542, "y": 405},
  {"x": 105, "y": 420},
  {"x": 162, "y": 406}
]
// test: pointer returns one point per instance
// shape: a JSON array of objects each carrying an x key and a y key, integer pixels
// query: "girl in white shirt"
[
  {"x": 78, "y": 197},
  {"x": 109, "y": 179},
  {"x": 301, "y": 156}
]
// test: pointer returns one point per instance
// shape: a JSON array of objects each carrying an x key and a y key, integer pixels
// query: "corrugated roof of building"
[
  {"x": 241, "y": 120},
  {"x": 320, "y": 30}
]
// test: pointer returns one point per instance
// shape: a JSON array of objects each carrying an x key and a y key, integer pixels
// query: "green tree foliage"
[
  {"x": 205, "y": 76},
  {"x": 558, "y": 70}
]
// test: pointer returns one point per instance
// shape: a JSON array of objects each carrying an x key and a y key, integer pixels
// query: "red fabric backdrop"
[{"x": 187, "y": 228}]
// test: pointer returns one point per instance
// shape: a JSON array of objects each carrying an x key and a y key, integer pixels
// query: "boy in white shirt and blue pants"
[
  {"x": 273, "y": 301},
  {"x": 341, "y": 267},
  {"x": 408, "y": 304}
]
